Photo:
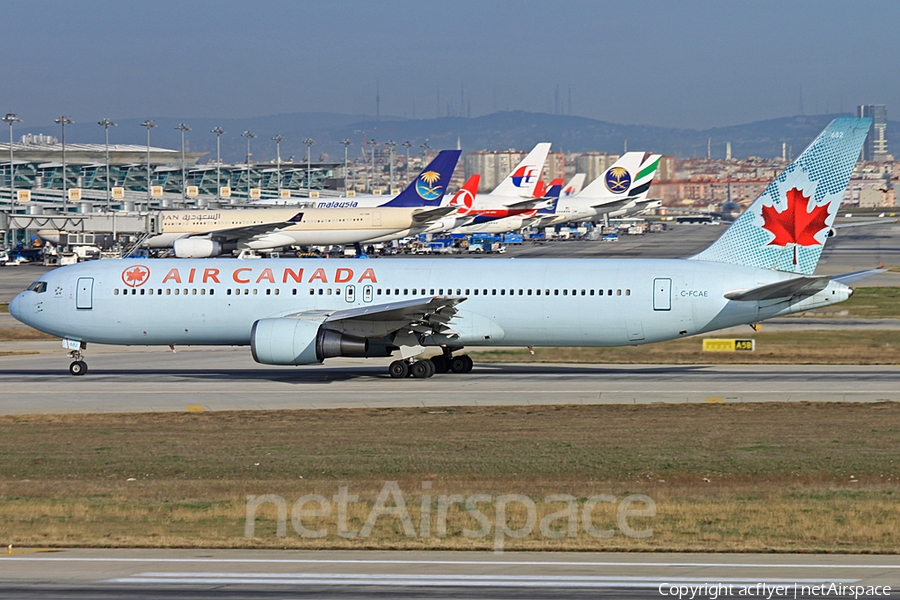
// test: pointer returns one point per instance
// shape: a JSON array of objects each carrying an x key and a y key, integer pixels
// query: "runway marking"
[
  {"x": 454, "y": 562},
  {"x": 195, "y": 409},
  {"x": 454, "y": 580}
]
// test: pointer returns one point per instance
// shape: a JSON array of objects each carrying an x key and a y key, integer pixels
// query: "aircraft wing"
[
  {"x": 248, "y": 231},
  {"x": 530, "y": 203},
  {"x": 782, "y": 289},
  {"x": 433, "y": 214},
  {"x": 848, "y": 278},
  {"x": 430, "y": 316}
]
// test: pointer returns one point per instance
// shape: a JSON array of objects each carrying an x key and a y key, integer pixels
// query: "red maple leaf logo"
[
  {"x": 136, "y": 276},
  {"x": 793, "y": 225}
]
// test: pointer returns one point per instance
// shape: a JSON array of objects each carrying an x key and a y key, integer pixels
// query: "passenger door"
[{"x": 84, "y": 293}]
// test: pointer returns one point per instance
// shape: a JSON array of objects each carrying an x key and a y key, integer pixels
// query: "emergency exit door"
[
  {"x": 662, "y": 294},
  {"x": 84, "y": 293}
]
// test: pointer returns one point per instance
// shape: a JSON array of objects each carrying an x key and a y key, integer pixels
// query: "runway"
[
  {"x": 347, "y": 574},
  {"x": 145, "y": 380}
]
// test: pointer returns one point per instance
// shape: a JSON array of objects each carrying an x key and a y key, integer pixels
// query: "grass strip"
[{"x": 727, "y": 477}]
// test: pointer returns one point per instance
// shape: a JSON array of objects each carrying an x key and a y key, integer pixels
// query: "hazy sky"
[{"x": 682, "y": 64}]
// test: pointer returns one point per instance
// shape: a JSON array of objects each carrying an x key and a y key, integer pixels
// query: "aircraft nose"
[{"x": 16, "y": 307}]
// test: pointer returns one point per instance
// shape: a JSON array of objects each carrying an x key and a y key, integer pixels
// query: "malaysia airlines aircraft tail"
[
  {"x": 429, "y": 187},
  {"x": 522, "y": 179},
  {"x": 786, "y": 227},
  {"x": 574, "y": 187}
]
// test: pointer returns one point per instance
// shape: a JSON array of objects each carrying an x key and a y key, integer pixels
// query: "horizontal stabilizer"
[
  {"x": 848, "y": 278},
  {"x": 606, "y": 207},
  {"x": 434, "y": 214},
  {"x": 782, "y": 289}
]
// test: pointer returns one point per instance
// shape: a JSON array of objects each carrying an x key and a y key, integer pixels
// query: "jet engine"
[
  {"x": 286, "y": 341},
  {"x": 197, "y": 248}
]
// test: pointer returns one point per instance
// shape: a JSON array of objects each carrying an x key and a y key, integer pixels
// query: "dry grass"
[
  {"x": 843, "y": 347},
  {"x": 15, "y": 334},
  {"x": 743, "y": 477}
]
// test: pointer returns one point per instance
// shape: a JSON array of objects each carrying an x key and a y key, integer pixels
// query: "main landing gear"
[
  {"x": 422, "y": 369},
  {"x": 78, "y": 367}
]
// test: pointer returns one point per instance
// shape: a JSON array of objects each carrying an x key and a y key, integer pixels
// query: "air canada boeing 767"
[{"x": 303, "y": 311}]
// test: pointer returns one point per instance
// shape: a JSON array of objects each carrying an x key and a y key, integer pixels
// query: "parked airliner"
[{"x": 303, "y": 311}]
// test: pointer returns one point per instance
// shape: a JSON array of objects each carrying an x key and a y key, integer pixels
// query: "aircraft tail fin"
[
  {"x": 428, "y": 188},
  {"x": 523, "y": 178},
  {"x": 629, "y": 176},
  {"x": 786, "y": 227},
  {"x": 465, "y": 197},
  {"x": 575, "y": 185}
]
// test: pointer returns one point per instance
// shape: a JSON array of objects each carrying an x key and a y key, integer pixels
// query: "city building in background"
[{"x": 876, "y": 146}]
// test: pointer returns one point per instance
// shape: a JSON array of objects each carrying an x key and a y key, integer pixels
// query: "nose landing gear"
[{"x": 78, "y": 367}]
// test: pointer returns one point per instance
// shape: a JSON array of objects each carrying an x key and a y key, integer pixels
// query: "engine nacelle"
[
  {"x": 196, "y": 248},
  {"x": 285, "y": 341}
]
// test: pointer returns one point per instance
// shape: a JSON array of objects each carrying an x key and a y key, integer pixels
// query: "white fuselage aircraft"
[{"x": 296, "y": 311}]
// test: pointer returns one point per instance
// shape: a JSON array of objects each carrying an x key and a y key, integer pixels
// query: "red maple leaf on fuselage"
[
  {"x": 794, "y": 225},
  {"x": 136, "y": 275}
]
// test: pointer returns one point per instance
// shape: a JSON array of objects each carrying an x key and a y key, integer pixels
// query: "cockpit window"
[{"x": 38, "y": 286}]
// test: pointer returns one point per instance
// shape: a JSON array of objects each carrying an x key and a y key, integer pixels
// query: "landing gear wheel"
[
  {"x": 469, "y": 363},
  {"x": 79, "y": 367},
  {"x": 441, "y": 364},
  {"x": 431, "y": 368},
  {"x": 458, "y": 364},
  {"x": 398, "y": 369},
  {"x": 420, "y": 369}
]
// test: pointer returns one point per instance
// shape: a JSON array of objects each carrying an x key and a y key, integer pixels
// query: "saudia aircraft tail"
[
  {"x": 428, "y": 188},
  {"x": 525, "y": 176},
  {"x": 786, "y": 227},
  {"x": 629, "y": 177}
]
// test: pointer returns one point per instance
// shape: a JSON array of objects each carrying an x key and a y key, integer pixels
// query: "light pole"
[
  {"x": 106, "y": 123},
  {"x": 11, "y": 118},
  {"x": 346, "y": 144},
  {"x": 407, "y": 144},
  {"x": 63, "y": 121},
  {"x": 425, "y": 148},
  {"x": 182, "y": 127},
  {"x": 149, "y": 125},
  {"x": 309, "y": 142},
  {"x": 391, "y": 144},
  {"x": 218, "y": 131},
  {"x": 373, "y": 142},
  {"x": 249, "y": 135},
  {"x": 278, "y": 139}
]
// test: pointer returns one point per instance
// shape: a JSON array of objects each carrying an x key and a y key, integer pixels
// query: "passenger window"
[
  {"x": 116, "y": 292},
  {"x": 521, "y": 292},
  {"x": 255, "y": 291},
  {"x": 627, "y": 292},
  {"x": 556, "y": 292},
  {"x": 387, "y": 291},
  {"x": 168, "y": 291},
  {"x": 378, "y": 292},
  {"x": 546, "y": 292},
  {"x": 529, "y": 292},
  {"x": 618, "y": 292},
  {"x": 599, "y": 292},
  {"x": 467, "y": 292},
  {"x": 159, "y": 292},
  {"x": 277, "y": 291},
  {"x": 406, "y": 292},
  {"x": 609, "y": 292},
  {"x": 142, "y": 291},
  {"x": 565, "y": 292},
  {"x": 592, "y": 292},
  {"x": 311, "y": 291},
  {"x": 476, "y": 292},
  {"x": 194, "y": 292},
  {"x": 432, "y": 292},
  {"x": 459, "y": 292},
  {"x": 321, "y": 291},
  {"x": 493, "y": 292},
  {"x": 484, "y": 292},
  {"x": 176, "y": 291},
  {"x": 396, "y": 291},
  {"x": 328, "y": 292},
  {"x": 212, "y": 291},
  {"x": 247, "y": 292},
  {"x": 502, "y": 292},
  {"x": 202, "y": 291}
]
